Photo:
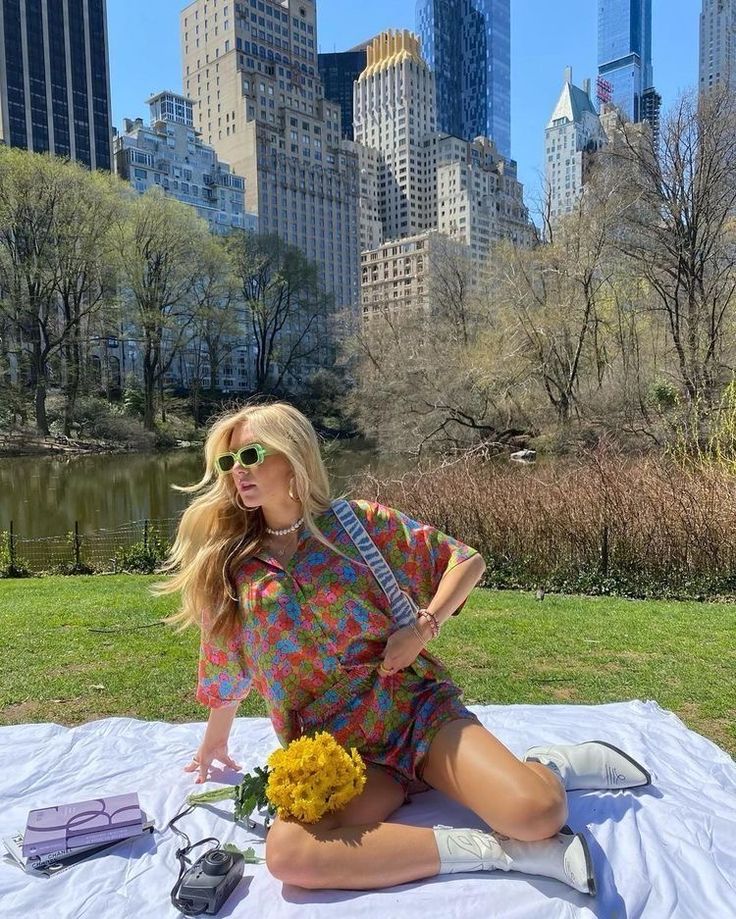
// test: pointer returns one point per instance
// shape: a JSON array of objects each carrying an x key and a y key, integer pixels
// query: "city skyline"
[
  {"x": 145, "y": 56},
  {"x": 251, "y": 71}
]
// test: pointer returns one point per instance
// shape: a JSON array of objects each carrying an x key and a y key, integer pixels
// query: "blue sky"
[{"x": 546, "y": 35}]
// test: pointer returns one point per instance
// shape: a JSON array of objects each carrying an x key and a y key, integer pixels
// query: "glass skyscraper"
[
  {"x": 338, "y": 71},
  {"x": 467, "y": 43},
  {"x": 626, "y": 76},
  {"x": 54, "y": 78}
]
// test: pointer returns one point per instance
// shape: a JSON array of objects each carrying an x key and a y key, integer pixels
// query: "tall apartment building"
[
  {"x": 397, "y": 275},
  {"x": 467, "y": 43},
  {"x": 54, "y": 79},
  {"x": 338, "y": 72},
  {"x": 473, "y": 194},
  {"x": 251, "y": 69},
  {"x": 169, "y": 153},
  {"x": 395, "y": 109},
  {"x": 717, "y": 59},
  {"x": 433, "y": 192},
  {"x": 625, "y": 71},
  {"x": 371, "y": 225},
  {"x": 573, "y": 134}
]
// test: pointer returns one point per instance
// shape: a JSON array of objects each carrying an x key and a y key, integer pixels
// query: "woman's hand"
[
  {"x": 214, "y": 742},
  {"x": 206, "y": 755},
  {"x": 403, "y": 647}
]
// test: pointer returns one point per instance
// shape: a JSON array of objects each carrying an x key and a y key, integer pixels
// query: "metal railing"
[{"x": 103, "y": 550}]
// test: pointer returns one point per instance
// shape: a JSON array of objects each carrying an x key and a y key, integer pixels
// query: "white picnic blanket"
[{"x": 666, "y": 851}]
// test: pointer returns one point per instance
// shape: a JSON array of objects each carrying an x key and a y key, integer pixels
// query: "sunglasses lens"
[
  {"x": 225, "y": 462},
  {"x": 248, "y": 456}
]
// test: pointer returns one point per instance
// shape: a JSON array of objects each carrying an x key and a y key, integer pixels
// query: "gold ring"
[{"x": 384, "y": 670}]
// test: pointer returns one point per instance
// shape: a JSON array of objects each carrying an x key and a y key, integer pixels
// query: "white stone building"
[
  {"x": 473, "y": 195},
  {"x": 426, "y": 182},
  {"x": 395, "y": 105},
  {"x": 395, "y": 275},
  {"x": 371, "y": 225},
  {"x": 573, "y": 134},
  {"x": 169, "y": 153}
]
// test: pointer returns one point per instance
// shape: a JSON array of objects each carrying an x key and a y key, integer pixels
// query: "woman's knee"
[
  {"x": 472, "y": 766},
  {"x": 285, "y": 851},
  {"x": 291, "y": 855},
  {"x": 536, "y": 813}
]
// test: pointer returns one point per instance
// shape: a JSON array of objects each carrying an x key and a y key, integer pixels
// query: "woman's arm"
[
  {"x": 455, "y": 586},
  {"x": 220, "y": 721},
  {"x": 214, "y": 742},
  {"x": 223, "y": 682}
]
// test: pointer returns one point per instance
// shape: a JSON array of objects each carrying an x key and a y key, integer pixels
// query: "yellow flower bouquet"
[{"x": 311, "y": 777}]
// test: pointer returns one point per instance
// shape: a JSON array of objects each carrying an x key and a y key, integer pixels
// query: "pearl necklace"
[{"x": 290, "y": 529}]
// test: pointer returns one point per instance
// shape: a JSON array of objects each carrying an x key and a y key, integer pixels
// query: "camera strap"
[{"x": 184, "y": 862}]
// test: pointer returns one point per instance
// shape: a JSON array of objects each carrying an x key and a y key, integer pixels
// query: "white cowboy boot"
[
  {"x": 563, "y": 857},
  {"x": 593, "y": 764}
]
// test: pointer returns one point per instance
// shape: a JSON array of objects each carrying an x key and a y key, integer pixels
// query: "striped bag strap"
[{"x": 402, "y": 607}]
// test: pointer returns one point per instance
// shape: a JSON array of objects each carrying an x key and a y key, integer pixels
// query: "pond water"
[{"x": 45, "y": 495}]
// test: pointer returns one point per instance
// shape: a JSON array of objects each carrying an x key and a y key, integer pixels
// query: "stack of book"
[{"x": 58, "y": 837}]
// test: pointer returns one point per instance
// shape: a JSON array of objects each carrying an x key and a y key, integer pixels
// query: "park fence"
[{"x": 138, "y": 545}]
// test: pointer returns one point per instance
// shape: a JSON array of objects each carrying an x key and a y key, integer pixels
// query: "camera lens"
[{"x": 217, "y": 862}]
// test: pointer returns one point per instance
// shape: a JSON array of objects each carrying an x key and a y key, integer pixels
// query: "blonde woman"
[{"x": 285, "y": 606}]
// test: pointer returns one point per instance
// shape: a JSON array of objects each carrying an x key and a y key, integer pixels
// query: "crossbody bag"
[{"x": 403, "y": 607}]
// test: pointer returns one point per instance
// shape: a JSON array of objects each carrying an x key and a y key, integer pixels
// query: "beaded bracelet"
[
  {"x": 418, "y": 633},
  {"x": 432, "y": 620}
]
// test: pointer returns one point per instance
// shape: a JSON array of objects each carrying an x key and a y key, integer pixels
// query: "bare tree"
[
  {"x": 54, "y": 257},
  {"x": 280, "y": 290},
  {"x": 550, "y": 300},
  {"x": 160, "y": 242},
  {"x": 453, "y": 288},
  {"x": 678, "y": 234},
  {"x": 422, "y": 380}
]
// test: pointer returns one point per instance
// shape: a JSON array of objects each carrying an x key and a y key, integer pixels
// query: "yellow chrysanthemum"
[{"x": 312, "y": 777}]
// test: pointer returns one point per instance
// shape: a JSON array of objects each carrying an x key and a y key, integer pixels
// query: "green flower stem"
[
  {"x": 248, "y": 795},
  {"x": 213, "y": 795}
]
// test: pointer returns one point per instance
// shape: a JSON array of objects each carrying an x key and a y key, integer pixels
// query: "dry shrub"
[{"x": 604, "y": 523}]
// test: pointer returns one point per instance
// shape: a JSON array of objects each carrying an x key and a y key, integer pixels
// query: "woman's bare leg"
[
  {"x": 353, "y": 849},
  {"x": 522, "y": 800}
]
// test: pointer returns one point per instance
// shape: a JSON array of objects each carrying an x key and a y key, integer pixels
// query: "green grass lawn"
[{"x": 78, "y": 648}]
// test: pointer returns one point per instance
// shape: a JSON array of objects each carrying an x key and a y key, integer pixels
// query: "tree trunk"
[
  {"x": 71, "y": 386},
  {"x": 195, "y": 390},
  {"x": 214, "y": 358},
  {"x": 149, "y": 392},
  {"x": 38, "y": 375},
  {"x": 41, "y": 420},
  {"x": 161, "y": 398}
]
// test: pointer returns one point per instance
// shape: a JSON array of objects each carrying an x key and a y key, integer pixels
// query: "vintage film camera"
[{"x": 209, "y": 882}]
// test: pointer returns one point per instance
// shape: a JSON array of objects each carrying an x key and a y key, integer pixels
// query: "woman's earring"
[
  {"x": 291, "y": 493},
  {"x": 237, "y": 503}
]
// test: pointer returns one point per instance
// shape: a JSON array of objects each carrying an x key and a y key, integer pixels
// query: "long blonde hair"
[{"x": 216, "y": 535}]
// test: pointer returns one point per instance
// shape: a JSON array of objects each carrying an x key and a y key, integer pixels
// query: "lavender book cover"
[{"x": 68, "y": 826}]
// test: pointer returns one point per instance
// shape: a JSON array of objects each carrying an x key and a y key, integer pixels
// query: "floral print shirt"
[{"x": 314, "y": 629}]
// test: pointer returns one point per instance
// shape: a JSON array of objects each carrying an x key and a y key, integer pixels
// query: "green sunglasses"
[{"x": 250, "y": 455}]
